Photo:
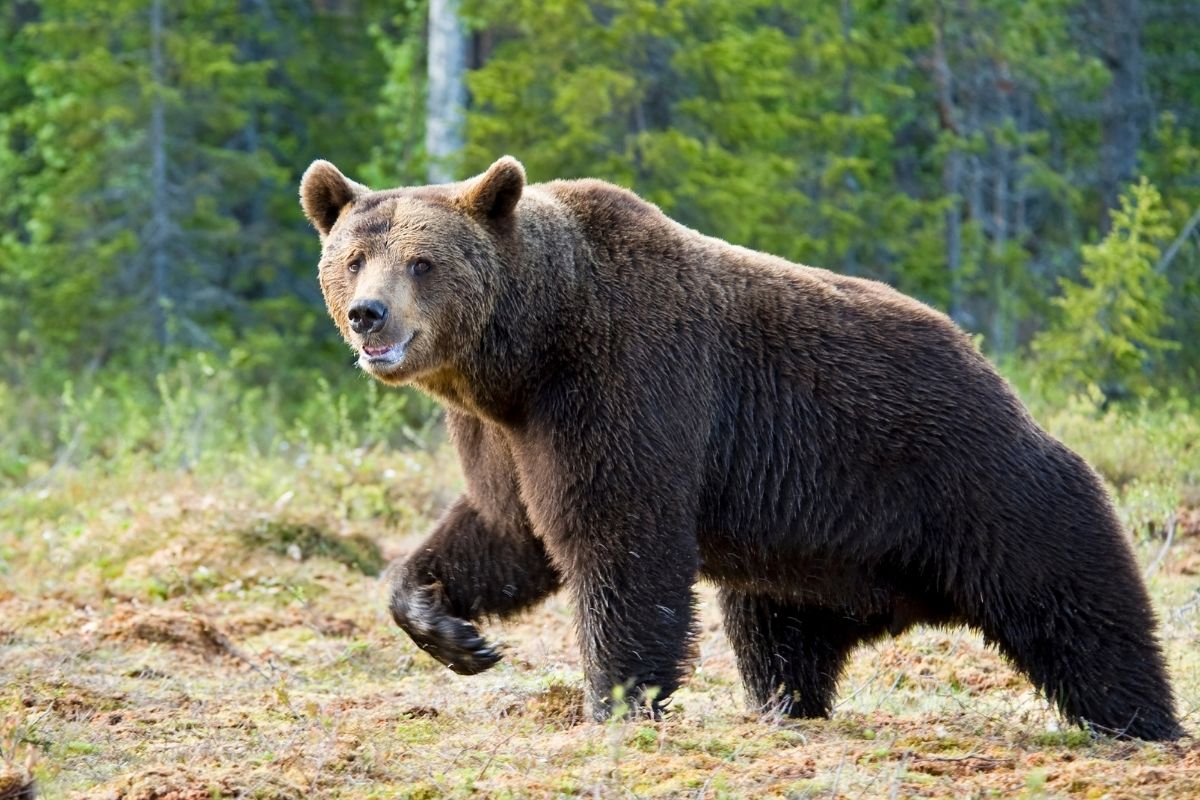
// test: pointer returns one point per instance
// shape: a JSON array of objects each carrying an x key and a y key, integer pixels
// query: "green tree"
[
  {"x": 121, "y": 175},
  {"x": 398, "y": 153},
  {"x": 151, "y": 150},
  {"x": 1108, "y": 332},
  {"x": 916, "y": 143},
  {"x": 773, "y": 127},
  {"x": 1173, "y": 165}
]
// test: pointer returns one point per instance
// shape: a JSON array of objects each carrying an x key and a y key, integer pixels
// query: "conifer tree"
[{"x": 1109, "y": 331}]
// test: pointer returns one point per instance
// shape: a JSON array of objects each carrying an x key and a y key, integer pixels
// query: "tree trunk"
[
  {"x": 848, "y": 107},
  {"x": 1001, "y": 170},
  {"x": 952, "y": 170},
  {"x": 447, "y": 98},
  {"x": 1125, "y": 102},
  {"x": 160, "y": 221}
]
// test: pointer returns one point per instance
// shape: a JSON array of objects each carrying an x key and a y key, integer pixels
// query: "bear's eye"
[
  {"x": 355, "y": 264},
  {"x": 419, "y": 267}
]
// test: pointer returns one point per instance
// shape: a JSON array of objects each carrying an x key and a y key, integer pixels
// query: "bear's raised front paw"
[
  {"x": 452, "y": 641},
  {"x": 459, "y": 645}
]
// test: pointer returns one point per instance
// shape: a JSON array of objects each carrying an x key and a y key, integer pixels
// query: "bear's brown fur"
[{"x": 638, "y": 406}]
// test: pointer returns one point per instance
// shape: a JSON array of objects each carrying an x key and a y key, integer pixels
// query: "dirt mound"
[
  {"x": 15, "y": 783},
  {"x": 559, "y": 705},
  {"x": 1188, "y": 522},
  {"x": 301, "y": 540},
  {"x": 176, "y": 628},
  {"x": 74, "y": 701},
  {"x": 179, "y": 783}
]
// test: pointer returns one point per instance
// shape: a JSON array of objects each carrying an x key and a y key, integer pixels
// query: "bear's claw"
[
  {"x": 459, "y": 645},
  {"x": 454, "y": 642}
]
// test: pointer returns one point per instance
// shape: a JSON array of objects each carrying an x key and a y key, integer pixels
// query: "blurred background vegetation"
[{"x": 1032, "y": 167}]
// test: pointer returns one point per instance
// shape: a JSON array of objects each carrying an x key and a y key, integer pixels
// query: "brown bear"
[{"x": 638, "y": 406}]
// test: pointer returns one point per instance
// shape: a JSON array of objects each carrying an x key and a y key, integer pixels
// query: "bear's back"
[
  {"x": 854, "y": 340},
  {"x": 824, "y": 386}
]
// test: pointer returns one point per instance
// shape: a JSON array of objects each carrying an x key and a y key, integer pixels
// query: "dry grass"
[{"x": 167, "y": 636}]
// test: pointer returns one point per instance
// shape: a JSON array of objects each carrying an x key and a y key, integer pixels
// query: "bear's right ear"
[{"x": 324, "y": 192}]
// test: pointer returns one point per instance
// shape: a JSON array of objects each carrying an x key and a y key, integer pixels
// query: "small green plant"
[
  {"x": 1035, "y": 784},
  {"x": 199, "y": 411}
]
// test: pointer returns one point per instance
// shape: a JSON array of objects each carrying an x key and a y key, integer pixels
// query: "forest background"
[{"x": 1032, "y": 168}]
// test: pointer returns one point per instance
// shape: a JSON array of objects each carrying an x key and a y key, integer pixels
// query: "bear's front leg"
[
  {"x": 465, "y": 571},
  {"x": 630, "y": 573},
  {"x": 612, "y": 482},
  {"x": 636, "y": 632}
]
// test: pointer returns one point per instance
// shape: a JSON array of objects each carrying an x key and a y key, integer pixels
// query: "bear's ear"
[
  {"x": 495, "y": 193},
  {"x": 324, "y": 192}
]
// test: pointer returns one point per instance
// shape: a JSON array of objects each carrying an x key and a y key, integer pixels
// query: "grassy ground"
[{"x": 221, "y": 632}]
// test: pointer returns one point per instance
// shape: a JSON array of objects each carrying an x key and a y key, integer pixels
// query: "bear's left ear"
[
  {"x": 495, "y": 193},
  {"x": 324, "y": 192}
]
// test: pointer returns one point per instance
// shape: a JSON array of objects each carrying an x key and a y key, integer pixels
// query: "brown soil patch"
[
  {"x": 15, "y": 784},
  {"x": 70, "y": 701},
  {"x": 559, "y": 705},
  {"x": 180, "y": 783},
  {"x": 162, "y": 626},
  {"x": 1187, "y": 521},
  {"x": 1090, "y": 779},
  {"x": 957, "y": 766},
  {"x": 255, "y": 623},
  {"x": 420, "y": 712}
]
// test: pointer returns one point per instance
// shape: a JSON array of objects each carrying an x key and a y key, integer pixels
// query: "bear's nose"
[{"x": 367, "y": 316}]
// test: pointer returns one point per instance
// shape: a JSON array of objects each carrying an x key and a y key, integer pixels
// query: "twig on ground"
[
  {"x": 870, "y": 681},
  {"x": 891, "y": 690},
  {"x": 492, "y": 755},
  {"x": 967, "y": 757},
  {"x": 837, "y": 775},
  {"x": 901, "y": 768},
  {"x": 1153, "y": 566}
]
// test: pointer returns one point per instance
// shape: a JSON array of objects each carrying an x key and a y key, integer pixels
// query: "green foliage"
[
  {"x": 238, "y": 93},
  {"x": 1173, "y": 166},
  {"x": 79, "y": 153},
  {"x": 398, "y": 154},
  {"x": 199, "y": 414},
  {"x": 1107, "y": 336},
  {"x": 712, "y": 110},
  {"x": 228, "y": 347},
  {"x": 808, "y": 130}
]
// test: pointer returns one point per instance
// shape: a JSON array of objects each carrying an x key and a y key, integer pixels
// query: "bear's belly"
[{"x": 854, "y": 589}]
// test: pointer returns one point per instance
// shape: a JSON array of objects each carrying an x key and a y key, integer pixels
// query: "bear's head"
[{"x": 410, "y": 276}]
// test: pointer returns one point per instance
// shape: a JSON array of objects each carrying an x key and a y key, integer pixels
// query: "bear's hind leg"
[
  {"x": 1082, "y": 629},
  {"x": 790, "y": 656}
]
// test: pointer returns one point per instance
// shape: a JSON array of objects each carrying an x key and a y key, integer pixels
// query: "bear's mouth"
[{"x": 387, "y": 355}]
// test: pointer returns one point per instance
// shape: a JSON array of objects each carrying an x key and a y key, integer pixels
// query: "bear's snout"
[{"x": 367, "y": 316}]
